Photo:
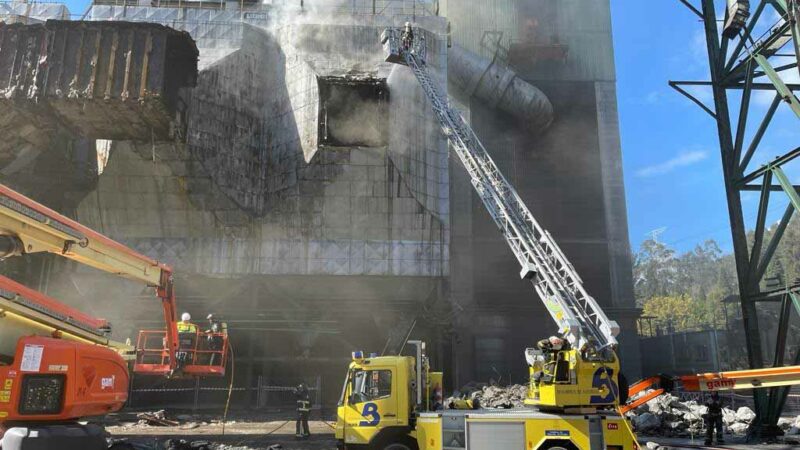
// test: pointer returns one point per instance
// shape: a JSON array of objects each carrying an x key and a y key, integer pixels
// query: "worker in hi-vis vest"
[{"x": 187, "y": 335}]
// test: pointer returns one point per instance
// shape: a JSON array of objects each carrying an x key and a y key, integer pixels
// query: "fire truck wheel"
[
  {"x": 405, "y": 444},
  {"x": 121, "y": 446}
]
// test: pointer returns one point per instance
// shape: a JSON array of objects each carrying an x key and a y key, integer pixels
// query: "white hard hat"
[
  {"x": 408, "y": 24},
  {"x": 186, "y": 317}
]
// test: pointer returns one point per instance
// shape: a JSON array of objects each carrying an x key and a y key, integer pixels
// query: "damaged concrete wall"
[
  {"x": 97, "y": 79},
  {"x": 265, "y": 225}
]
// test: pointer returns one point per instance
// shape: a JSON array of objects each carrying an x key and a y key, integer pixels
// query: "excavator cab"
[{"x": 201, "y": 353}]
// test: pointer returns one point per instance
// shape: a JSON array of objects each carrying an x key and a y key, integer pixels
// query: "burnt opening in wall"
[{"x": 353, "y": 111}]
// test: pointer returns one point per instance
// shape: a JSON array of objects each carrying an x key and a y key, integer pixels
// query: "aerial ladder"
[
  {"x": 585, "y": 372},
  {"x": 63, "y": 365}
]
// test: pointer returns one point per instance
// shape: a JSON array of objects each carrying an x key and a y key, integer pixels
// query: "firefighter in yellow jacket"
[{"x": 187, "y": 335}]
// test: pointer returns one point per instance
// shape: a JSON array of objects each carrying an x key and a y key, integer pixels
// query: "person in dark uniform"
[
  {"x": 303, "y": 410},
  {"x": 713, "y": 419},
  {"x": 555, "y": 367},
  {"x": 213, "y": 339},
  {"x": 407, "y": 37}
]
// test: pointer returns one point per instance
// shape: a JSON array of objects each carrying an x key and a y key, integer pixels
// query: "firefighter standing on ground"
[
  {"x": 713, "y": 419},
  {"x": 303, "y": 410}
]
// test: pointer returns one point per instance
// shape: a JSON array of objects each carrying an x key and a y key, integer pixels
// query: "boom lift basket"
[{"x": 201, "y": 354}]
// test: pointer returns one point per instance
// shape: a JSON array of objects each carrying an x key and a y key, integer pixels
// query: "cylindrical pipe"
[
  {"x": 10, "y": 246},
  {"x": 499, "y": 87}
]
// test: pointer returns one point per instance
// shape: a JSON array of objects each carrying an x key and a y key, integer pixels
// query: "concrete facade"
[{"x": 311, "y": 243}]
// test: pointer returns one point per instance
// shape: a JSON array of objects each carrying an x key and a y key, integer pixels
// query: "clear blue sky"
[
  {"x": 670, "y": 152},
  {"x": 671, "y": 157}
]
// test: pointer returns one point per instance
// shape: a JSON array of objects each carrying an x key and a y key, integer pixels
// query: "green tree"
[
  {"x": 684, "y": 292},
  {"x": 671, "y": 313},
  {"x": 654, "y": 270}
]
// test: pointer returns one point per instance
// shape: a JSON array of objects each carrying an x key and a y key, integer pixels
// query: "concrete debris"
[
  {"x": 157, "y": 418},
  {"x": 491, "y": 397},
  {"x": 647, "y": 422},
  {"x": 791, "y": 427},
  {"x": 160, "y": 419},
  {"x": 180, "y": 444},
  {"x": 240, "y": 447},
  {"x": 667, "y": 415},
  {"x": 494, "y": 397},
  {"x": 739, "y": 428},
  {"x": 169, "y": 444},
  {"x": 745, "y": 414}
]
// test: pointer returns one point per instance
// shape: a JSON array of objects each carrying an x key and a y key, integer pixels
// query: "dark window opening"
[{"x": 353, "y": 111}]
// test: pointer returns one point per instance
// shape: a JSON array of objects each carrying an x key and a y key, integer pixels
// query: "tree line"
[{"x": 698, "y": 290}]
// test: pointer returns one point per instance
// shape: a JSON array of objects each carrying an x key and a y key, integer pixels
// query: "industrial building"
[{"x": 304, "y": 192}]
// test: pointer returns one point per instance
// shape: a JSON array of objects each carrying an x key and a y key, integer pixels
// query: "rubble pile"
[
  {"x": 157, "y": 418},
  {"x": 239, "y": 447},
  {"x": 491, "y": 397},
  {"x": 160, "y": 419},
  {"x": 494, "y": 397},
  {"x": 667, "y": 415}
]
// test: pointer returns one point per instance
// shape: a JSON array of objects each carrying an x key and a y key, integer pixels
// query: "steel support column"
[{"x": 747, "y": 68}]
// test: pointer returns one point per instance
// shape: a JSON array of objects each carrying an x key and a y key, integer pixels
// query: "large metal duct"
[{"x": 499, "y": 87}]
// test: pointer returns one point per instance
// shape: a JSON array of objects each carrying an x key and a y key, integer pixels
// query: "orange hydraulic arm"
[
  {"x": 29, "y": 227},
  {"x": 714, "y": 381},
  {"x": 658, "y": 385},
  {"x": 24, "y": 304}
]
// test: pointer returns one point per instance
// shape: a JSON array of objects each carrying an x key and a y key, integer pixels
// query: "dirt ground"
[
  {"x": 238, "y": 435},
  {"x": 731, "y": 443},
  {"x": 264, "y": 432}
]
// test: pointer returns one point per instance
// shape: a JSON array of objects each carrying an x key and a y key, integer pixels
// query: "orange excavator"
[
  {"x": 650, "y": 388},
  {"x": 59, "y": 365}
]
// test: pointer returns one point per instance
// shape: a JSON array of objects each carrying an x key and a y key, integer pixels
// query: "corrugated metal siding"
[
  {"x": 471, "y": 19},
  {"x": 583, "y": 25}
]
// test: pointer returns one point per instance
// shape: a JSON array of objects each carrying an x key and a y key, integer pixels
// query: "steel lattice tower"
[{"x": 744, "y": 59}]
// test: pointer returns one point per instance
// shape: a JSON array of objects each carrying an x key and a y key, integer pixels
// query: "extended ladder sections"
[{"x": 580, "y": 319}]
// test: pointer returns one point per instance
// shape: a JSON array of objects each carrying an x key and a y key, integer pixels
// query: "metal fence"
[
  {"x": 735, "y": 400},
  {"x": 262, "y": 396}
]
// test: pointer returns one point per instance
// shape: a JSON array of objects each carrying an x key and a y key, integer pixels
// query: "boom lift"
[
  {"x": 574, "y": 388},
  {"x": 769, "y": 377},
  {"x": 73, "y": 370}
]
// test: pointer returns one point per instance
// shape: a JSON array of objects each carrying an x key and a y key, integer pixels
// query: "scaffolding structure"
[{"x": 749, "y": 51}]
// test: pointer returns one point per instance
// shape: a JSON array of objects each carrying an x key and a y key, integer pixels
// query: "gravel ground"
[
  {"x": 733, "y": 444},
  {"x": 261, "y": 434},
  {"x": 238, "y": 435}
]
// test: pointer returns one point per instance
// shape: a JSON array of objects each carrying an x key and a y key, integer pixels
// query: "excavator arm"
[{"x": 29, "y": 227}]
